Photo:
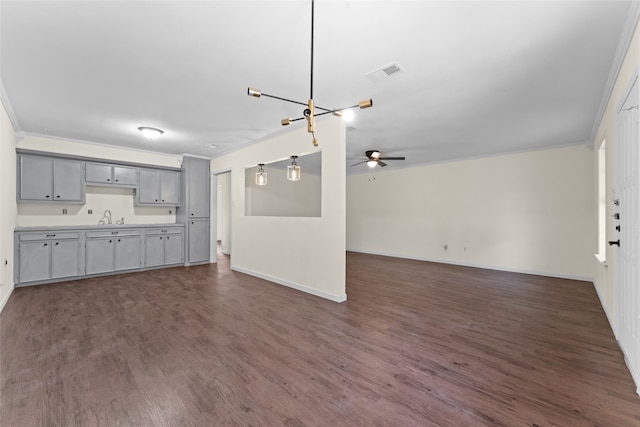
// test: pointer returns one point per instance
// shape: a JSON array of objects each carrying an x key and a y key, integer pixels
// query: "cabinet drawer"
[
  {"x": 52, "y": 235},
  {"x": 162, "y": 231},
  {"x": 112, "y": 233}
]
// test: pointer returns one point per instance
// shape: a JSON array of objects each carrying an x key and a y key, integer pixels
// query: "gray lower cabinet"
[
  {"x": 110, "y": 251},
  {"x": 164, "y": 247},
  {"x": 52, "y": 255},
  {"x": 46, "y": 256},
  {"x": 198, "y": 245},
  {"x": 46, "y": 179}
]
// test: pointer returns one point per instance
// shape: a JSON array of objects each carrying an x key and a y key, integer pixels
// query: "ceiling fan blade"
[
  {"x": 359, "y": 163},
  {"x": 391, "y": 158},
  {"x": 381, "y": 163}
]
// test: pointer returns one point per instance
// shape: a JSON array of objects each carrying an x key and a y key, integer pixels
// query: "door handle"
[{"x": 614, "y": 242}]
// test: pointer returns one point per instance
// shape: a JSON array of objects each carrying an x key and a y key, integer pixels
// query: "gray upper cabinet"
[
  {"x": 106, "y": 174},
  {"x": 47, "y": 179},
  {"x": 158, "y": 187},
  {"x": 196, "y": 187}
]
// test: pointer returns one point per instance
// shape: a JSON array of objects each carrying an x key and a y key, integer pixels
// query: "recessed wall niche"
[{"x": 281, "y": 197}]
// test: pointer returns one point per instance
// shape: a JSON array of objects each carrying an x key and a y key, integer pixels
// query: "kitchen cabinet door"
[
  {"x": 98, "y": 173},
  {"x": 123, "y": 175},
  {"x": 65, "y": 258},
  {"x": 154, "y": 250},
  {"x": 197, "y": 187},
  {"x": 170, "y": 187},
  {"x": 127, "y": 252},
  {"x": 35, "y": 261},
  {"x": 198, "y": 230},
  {"x": 99, "y": 255},
  {"x": 149, "y": 186},
  {"x": 174, "y": 249},
  {"x": 36, "y": 178},
  {"x": 68, "y": 184}
]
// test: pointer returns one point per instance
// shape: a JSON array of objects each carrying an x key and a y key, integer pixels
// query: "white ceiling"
[{"x": 480, "y": 77}]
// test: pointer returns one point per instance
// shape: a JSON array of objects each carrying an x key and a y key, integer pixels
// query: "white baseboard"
[
  {"x": 312, "y": 291},
  {"x": 486, "y": 267},
  {"x": 612, "y": 324},
  {"x": 6, "y": 298}
]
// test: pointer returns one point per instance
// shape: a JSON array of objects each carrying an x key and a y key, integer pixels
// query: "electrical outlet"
[
  {"x": 64, "y": 211},
  {"x": 170, "y": 211},
  {"x": 90, "y": 211},
  {"x": 446, "y": 247}
]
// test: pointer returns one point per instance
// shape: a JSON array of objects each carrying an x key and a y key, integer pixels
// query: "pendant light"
[
  {"x": 309, "y": 113},
  {"x": 293, "y": 170},
  {"x": 261, "y": 176}
]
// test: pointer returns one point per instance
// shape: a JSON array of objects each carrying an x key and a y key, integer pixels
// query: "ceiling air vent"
[{"x": 385, "y": 72}]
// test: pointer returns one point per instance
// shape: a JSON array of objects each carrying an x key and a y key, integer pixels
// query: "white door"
[{"x": 628, "y": 208}]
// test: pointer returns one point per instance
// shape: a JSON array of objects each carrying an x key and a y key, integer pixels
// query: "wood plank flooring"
[{"x": 416, "y": 344}]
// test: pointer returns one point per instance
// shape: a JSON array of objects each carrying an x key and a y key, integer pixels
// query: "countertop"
[{"x": 95, "y": 227}]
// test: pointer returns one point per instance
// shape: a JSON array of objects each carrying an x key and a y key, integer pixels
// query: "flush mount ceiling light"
[
  {"x": 261, "y": 175},
  {"x": 293, "y": 170},
  {"x": 309, "y": 113},
  {"x": 151, "y": 133}
]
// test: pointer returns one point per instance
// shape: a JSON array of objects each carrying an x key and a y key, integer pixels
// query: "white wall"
[
  {"x": 529, "y": 212},
  {"x": 281, "y": 197},
  {"x": 303, "y": 253},
  {"x": 119, "y": 201},
  {"x": 8, "y": 212}
]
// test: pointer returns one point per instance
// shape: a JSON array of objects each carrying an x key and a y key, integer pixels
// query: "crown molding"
[
  {"x": 621, "y": 52},
  {"x": 4, "y": 98}
]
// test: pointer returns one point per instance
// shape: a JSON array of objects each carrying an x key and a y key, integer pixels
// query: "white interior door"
[{"x": 628, "y": 208}]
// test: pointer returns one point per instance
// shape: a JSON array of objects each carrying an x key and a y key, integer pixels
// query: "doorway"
[{"x": 221, "y": 182}]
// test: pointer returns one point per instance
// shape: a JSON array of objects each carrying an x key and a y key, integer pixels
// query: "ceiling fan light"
[
  {"x": 375, "y": 154},
  {"x": 286, "y": 122},
  {"x": 365, "y": 103},
  {"x": 372, "y": 163},
  {"x": 150, "y": 133},
  {"x": 254, "y": 92}
]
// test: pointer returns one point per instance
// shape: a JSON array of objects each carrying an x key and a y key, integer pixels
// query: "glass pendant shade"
[
  {"x": 293, "y": 171},
  {"x": 261, "y": 176},
  {"x": 372, "y": 163}
]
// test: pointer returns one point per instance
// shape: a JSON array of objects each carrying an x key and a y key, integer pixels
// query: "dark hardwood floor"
[{"x": 416, "y": 343}]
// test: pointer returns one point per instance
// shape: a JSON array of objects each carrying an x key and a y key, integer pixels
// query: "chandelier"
[{"x": 309, "y": 113}]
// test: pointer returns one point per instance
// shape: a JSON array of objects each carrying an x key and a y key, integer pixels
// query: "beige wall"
[
  {"x": 605, "y": 271},
  {"x": 119, "y": 201},
  {"x": 304, "y": 253},
  {"x": 8, "y": 213},
  {"x": 528, "y": 212}
]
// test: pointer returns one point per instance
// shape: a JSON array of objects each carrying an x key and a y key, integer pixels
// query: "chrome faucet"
[{"x": 106, "y": 218}]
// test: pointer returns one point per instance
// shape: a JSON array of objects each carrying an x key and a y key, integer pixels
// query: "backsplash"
[{"x": 120, "y": 201}]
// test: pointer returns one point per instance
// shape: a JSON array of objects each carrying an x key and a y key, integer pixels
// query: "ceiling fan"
[{"x": 374, "y": 159}]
